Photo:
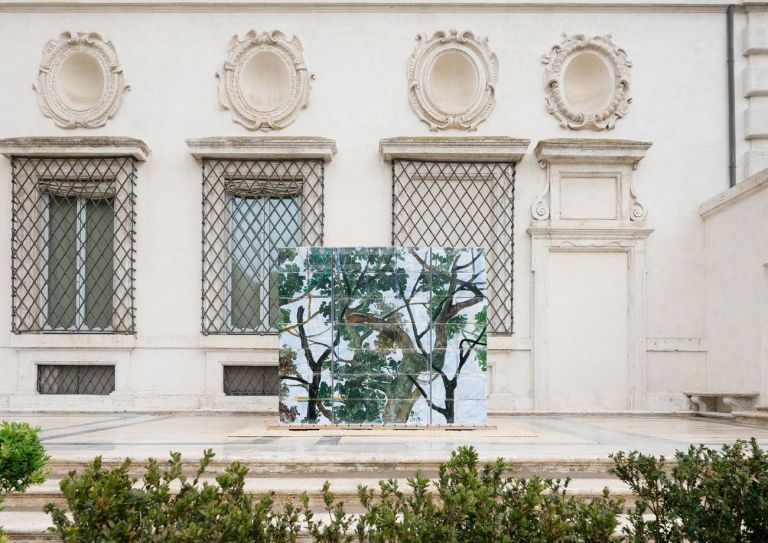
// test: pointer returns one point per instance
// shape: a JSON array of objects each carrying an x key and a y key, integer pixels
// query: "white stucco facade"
[{"x": 629, "y": 321}]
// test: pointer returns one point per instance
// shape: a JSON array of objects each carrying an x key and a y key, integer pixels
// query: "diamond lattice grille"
[
  {"x": 251, "y": 208},
  {"x": 458, "y": 204},
  {"x": 251, "y": 381},
  {"x": 73, "y": 245},
  {"x": 58, "y": 379}
]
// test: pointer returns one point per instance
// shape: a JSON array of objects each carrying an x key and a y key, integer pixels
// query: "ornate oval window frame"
[
  {"x": 231, "y": 94},
  {"x": 486, "y": 65},
  {"x": 557, "y": 60},
  {"x": 55, "y": 54}
]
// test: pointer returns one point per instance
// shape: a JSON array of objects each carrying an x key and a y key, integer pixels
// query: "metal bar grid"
[
  {"x": 251, "y": 208},
  {"x": 75, "y": 379},
  {"x": 73, "y": 254},
  {"x": 251, "y": 381},
  {"x": 460, "y": 204}
]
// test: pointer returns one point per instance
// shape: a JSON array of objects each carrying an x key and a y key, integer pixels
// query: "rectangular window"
[
  {"x": 251, "y": 208},
  {"x": 75, "y": 379},
  {"x": 80, "y": 263},
  {"x": 256, "y": 232},
  {"x": 73, "y": 235},
  {"x": 460, "y": 204},
  {"x": 251, "y": 381}
]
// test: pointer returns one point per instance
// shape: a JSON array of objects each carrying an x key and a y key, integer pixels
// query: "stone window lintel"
[
  {"x": 584, "y": 150},
  {"x": 461, "y": 149},
  {"x": 263, "y": 148},
  {"x": 74, "y": 146}
]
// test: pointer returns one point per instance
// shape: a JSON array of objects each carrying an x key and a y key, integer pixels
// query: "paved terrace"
[
  {"x": 256, "y": 438},
  {"x": 289, "y": 462}
]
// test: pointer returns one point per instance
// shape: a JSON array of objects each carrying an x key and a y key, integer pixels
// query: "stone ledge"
[
  {"x": 263, "y": 148},
  {"x": 467, "y": 149},
  {"x": 496, "y": 6},
  {"x": 732, "y": 196},
  {"x": 74, "y": 146},
  {"x": 709, "y": 403},
  {"x": 584, "y": 150},
  {"x": 588, "y": 234},
  {"x": 675, "y": 345},
  {"x": 109, "y": 342}
]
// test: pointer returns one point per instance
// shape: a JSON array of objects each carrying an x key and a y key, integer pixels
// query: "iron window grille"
[
  {"x": 460, "y": 204},
  {"x": 251, "y": 208},
  {"x": 251, "y": 381},
  {"x": 73, "y": 257},
  {"x": 75, "y": 379}
]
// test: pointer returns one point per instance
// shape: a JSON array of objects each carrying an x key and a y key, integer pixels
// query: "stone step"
[
  {"x": 26, "y": 526},
  {"x": 289, "y": 488},
  {"x": 751, "y": 417},
  {"x": 32, "y": 526},
  {"x": 336, "y": 464}
]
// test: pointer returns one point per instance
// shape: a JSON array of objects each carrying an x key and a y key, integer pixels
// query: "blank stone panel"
[
  {"x": 382, "y": 335},
  {"x": 589, "y": 198}
]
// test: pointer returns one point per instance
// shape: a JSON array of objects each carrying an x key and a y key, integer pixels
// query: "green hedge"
[
  {"x": 709, "y": 496},
  {"x": 469, "y": 503},
  {"x": 22, "y": 459}
]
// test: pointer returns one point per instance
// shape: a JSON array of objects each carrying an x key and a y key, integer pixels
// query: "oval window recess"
[
  {"x": 265, "y": 82},
  {"x": 587, "y": 83},
  {"x": 453, "y": 82},
  {"x": 81, "y": 81}
]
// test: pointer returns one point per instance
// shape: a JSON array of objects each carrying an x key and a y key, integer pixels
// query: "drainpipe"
[{"x": 731, "y": 100}]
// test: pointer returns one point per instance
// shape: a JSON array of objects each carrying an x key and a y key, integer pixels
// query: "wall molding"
[
  {"x": 232, "y": 95},
  {"x": 675, "y": 345},
  {"x": 592, "y": 151},
  {"x": 574, "y": 159},
  {"x": 468, "y": 148},
  {"x": 543, "y": 246},
  {"x": 617, "y": 66},
  {"x": 420, "y": 85},
  {"x": 74, "y": 146},
  {"x": 50, "y": 80},
  {"x": 263, "y": 147},
  {"x": 418, "y": 6},
  {"x": 610, "y": 221}
]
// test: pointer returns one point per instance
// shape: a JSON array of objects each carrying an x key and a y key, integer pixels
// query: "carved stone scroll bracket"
[
  {"x": 638, "y": 212},
  {"x": 540, "y": 207}
]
